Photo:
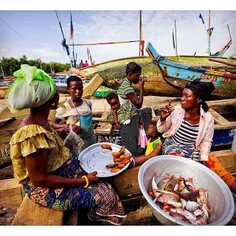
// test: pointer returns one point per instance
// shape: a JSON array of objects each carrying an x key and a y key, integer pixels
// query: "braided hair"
[{"x": 202, "y": 90}]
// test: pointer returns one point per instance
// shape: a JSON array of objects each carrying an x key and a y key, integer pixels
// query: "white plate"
[{"x": 95, "y": 158}]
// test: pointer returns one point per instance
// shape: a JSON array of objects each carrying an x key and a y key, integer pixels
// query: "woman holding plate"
[{"x": 50, "y": 176}]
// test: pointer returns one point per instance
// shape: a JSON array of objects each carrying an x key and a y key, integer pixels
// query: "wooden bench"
[{"x": 30, "y": 213}]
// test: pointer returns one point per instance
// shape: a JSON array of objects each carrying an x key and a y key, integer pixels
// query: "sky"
[{"x": 36, "y": 32}]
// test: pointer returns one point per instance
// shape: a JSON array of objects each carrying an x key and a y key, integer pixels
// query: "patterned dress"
[{"x": 101, "y": 199}]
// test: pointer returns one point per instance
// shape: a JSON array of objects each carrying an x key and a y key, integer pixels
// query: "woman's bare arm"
[
  {"x": 36, "y": 165},
  {"x": 141, "y": 159},
  {"x": 137, "y": 101}
]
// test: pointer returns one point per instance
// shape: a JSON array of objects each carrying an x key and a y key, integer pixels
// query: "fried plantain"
[
  {"x": 121, "y": 165},
  {"x": 125, "y": 161},
  {"x": 112, "y": 165},
  {"x": 122, "y": 150},
  {"x": 116, "y": 154},
  {"x": 106, "y": 146},
  {"x": 115, "y": 170},
  {"x": 117, "y": 160},
  {"x": 125, "y": 156}
]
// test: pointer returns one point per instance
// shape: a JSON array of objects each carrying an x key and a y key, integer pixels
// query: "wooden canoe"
[
  {"x": 178, "y": 74},
  {"x": 113, "y": 72}
]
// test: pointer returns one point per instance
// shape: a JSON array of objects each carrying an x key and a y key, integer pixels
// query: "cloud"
[
  {"x": 105, "y": 26},
  {"x": 45, "y": 52}
]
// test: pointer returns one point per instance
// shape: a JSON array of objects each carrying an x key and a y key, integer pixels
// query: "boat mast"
[
  {"x": 176, "y": 51},
  {"x": 209, "y": 34},
  {"x": 140, "y": 34},
  {"x": 2, "y": 72}
]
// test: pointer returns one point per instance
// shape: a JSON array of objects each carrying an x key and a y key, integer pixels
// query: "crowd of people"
[{"x": 51, "y": 174}]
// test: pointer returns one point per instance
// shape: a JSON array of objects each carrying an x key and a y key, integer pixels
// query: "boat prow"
[{"x": 178, "y": 75}]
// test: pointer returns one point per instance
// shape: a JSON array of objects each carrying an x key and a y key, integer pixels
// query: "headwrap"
[
  {"x": 202, "y": 90},
  {"x": 32, "y": 88}
]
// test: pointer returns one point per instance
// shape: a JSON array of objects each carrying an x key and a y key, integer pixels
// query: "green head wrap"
[{"x": 32, "y": 88}]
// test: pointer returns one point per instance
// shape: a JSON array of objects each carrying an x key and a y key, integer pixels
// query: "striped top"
[
  {"x": 185, "y": 137},
  {"x": 186, "y": 134},
  {"x": 125, "y": 88}
]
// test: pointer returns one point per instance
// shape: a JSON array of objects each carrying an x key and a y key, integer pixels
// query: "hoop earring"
[{"x": 53, "y": 104}]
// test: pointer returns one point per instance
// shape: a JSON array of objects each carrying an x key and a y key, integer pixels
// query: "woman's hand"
[
  {"x": 205, "y": 163},
  {"x": 63, "y": 132},
  {"x": 92, "y": 177},
  {"x": 166, "y": 111},
  {"x": 141, "y": 81},
  {"x": 77, "y": 129}
]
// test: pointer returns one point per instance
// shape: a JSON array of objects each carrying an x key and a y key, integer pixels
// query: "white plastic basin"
[{"x": 220, "y": 198}]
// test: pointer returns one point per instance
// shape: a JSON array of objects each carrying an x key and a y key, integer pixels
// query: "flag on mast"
[
  {"x": 173, "y": 39},
  {"x": 200, "y": 16},
  {"x": 209, "y": 31},
  {"x": 71, "y": 27}
]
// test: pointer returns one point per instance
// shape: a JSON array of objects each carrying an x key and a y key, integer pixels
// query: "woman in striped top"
[
  {"x": 126, "y": 94},
  {"x": 188, "y": 129}
]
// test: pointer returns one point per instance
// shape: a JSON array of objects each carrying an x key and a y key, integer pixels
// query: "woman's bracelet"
[{"x": 86, "y": 180}]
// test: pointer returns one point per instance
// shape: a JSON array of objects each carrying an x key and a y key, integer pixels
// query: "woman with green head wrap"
[
  {"x": 32, "y": 88},
  {"x": 51, "y": 176}
]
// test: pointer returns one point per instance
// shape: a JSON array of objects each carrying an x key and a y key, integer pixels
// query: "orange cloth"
[{"x": 215, "y": 165}]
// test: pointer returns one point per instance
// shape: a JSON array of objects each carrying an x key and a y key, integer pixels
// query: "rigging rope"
[{"x": 19, "y": 35}]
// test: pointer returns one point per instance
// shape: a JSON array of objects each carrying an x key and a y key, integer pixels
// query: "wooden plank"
[
  {"x": 223, "y": 62},
  {"x": 31, "y": 213},
  {"x": 229, "y": 125},
  {"x": 92, "y": 86},
  {"x": 227, "y": 159},
  {"x": 222, "y": 102},
  {"x": 126, "y": 183},
  {"x": 103, "y": 128},
  {"x": 11, "y": 193},
  {"x": 218, "y": 118}
]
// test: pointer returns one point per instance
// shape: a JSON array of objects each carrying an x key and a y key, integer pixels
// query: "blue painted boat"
[{"x": 178, "y": 75}]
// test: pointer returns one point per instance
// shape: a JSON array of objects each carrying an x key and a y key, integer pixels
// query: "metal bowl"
[{"x": 219, "y": 195}]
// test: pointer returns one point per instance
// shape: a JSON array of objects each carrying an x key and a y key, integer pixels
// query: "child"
[
  {"x": 127, "y": 120},
  {"x": 153, "y": 146},
  {"x": 119, "y": 114}
]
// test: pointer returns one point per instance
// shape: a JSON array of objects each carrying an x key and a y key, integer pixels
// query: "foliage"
[{"x": 10, "y": 65}]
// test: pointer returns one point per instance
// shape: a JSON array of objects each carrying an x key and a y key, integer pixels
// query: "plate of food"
[{"x": 108, "y": 159}]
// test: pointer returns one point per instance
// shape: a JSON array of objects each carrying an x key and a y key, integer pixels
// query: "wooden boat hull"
[
  {"x": 113, "y": 72},
  {"x": 178, "y": 75}
]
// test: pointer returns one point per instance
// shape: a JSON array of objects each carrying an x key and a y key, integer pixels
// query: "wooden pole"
[
  {"x": 103, "y": 43},
  {"x": 176, "y": 50},
  {"x": 140, "y": 33},
  {"x": 209, "y": 34},
  {"x": 2, "y": 71}
]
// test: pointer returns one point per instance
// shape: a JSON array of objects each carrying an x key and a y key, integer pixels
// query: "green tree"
[{"x": 10, "y": 65}]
